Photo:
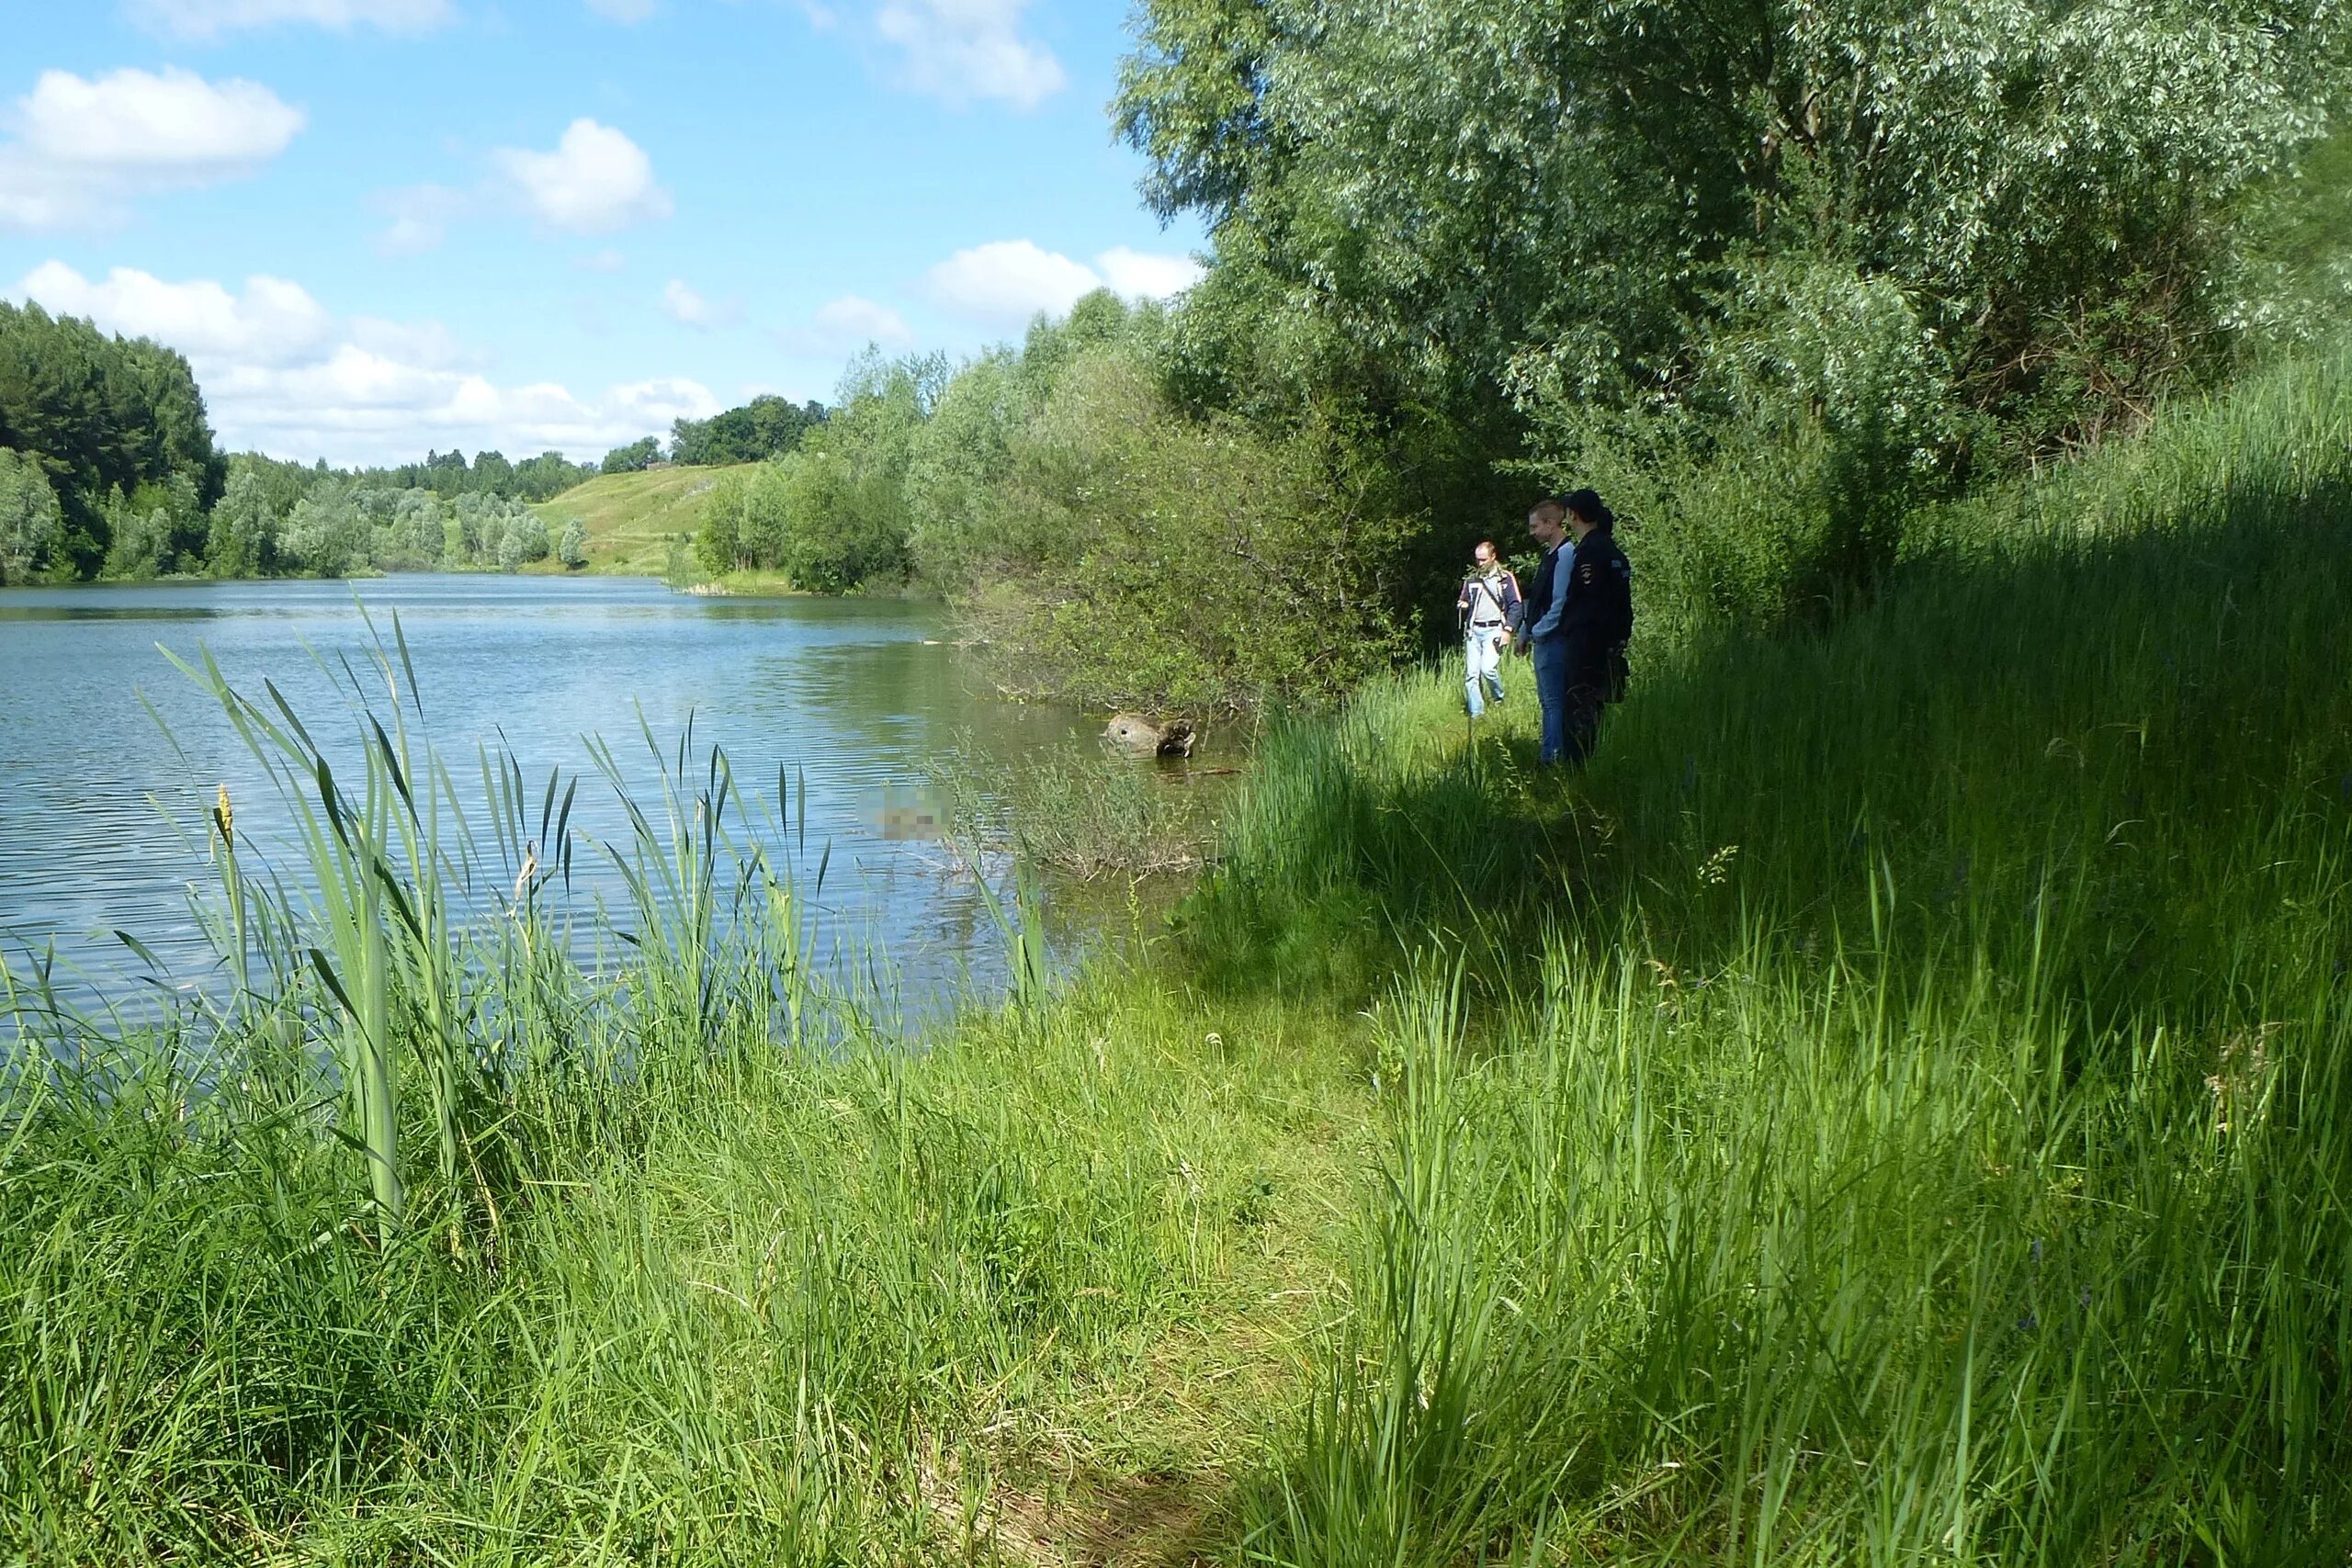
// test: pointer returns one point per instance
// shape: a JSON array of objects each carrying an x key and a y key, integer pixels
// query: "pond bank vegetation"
[{"x": 1891, "y": 1107}]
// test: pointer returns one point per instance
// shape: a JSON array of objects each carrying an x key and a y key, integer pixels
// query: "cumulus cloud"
[
  {"x": 83, "y": 149},
  {"x": 845, "y": 326},
  {"x": 282, "y": 374},
  {"x": 272, "y": 322},
  {"x": 1139, "y": 275},
  {"x": 960, "y": 50},
  {"x": 693, "y": 310},
  {"x": 1008, "y": 281},
  {"x": 209, "y": 18},
  {"x": 595, "y": 181}
]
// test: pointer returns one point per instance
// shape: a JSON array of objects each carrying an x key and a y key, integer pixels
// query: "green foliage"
[
  {"x": 1615, "y": 238},
  {"x": 634, "y": 456},
  {"x": 326, "y": 533},
  {"x": 32, "y": 526},
  {"x": 1138, "y": 557},
  {"x": 571, "y": 548},
  {"x": 153, "y": 531},
  {"x": 522, "y": 538},
  {"x": 104, "y": 416},
  {"x": 767, "y": 426},
  {"x": 241, "y": 535},
  {"x": 832, "y": 512}
]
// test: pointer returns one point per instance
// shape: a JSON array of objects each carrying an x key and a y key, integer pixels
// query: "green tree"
[
  {"x": 718, "y": 542},
  {"x": 103, "y": 416},
  {"x": 242, "y": 535},
  {"x": 1572, "y": 231},
  {"x": 572, "y": 549},
  {"x": 32, "y": 526},
  {"x": 1145, "y": 557},
  {"x": 634, "y": 456},
  {"x": 768, "y": 426},
  {"x": 546, "y": 476},
  {"x": 325, "y": 534},
  {"x": 522, "y": 540}
]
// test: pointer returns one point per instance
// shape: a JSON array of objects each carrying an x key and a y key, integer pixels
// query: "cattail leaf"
[
  {"x": 325, "y": 967},
  {"x": 400, "y": 640},
  {"x": 392, "y": 762}
]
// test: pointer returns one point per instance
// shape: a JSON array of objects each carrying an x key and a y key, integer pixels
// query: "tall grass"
[
  {"x": 457, "y": 1226},
  {"x": 1912, "y": 1126},
  {"x": 1890, "y": 1109}
]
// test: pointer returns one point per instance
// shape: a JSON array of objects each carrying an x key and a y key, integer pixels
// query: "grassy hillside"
[
  {"x": 631, "y": 518},
  {"x": 1895, "y": 1108}
]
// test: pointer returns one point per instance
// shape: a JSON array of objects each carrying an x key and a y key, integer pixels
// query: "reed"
[{"x": 1890, "y": 1109}]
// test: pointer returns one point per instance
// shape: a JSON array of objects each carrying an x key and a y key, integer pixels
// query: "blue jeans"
[
  {"x": 1550, "y": 656},
  {"x": 1483, "y": 653}
]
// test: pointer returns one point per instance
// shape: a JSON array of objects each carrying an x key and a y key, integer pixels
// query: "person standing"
[
  {"x": 1489, "y": 607},
  {"x": 1546, "y": 598},
  {"x": 1594, "y": 593}
]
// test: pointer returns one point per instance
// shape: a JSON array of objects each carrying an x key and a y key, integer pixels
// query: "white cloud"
[
  {"x": 282, "y": 374},
  {"x": 961, "y": 50},
  {"x": 845, "y": 326},
  {"x": 83, "y": 149},
  {"x": 210, "y": 18},
  {"x": 1139, "y": 275},
  {"x": 429, "y": 346},
  {"x": 274, "y": 322},
  {"x": 606, "y": 260},
  {"x": 626, "y": 12},
  {"x": 864, "y": 320},
  {"x": 596, "y": 180},
  {"x": 1008, "y": 281},
  {"x": 687, "y": 306}
]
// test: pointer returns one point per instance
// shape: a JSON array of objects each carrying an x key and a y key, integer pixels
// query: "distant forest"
[{"x": 109, "y": 470}]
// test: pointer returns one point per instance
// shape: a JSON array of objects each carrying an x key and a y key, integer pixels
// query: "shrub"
[{"x": 1133, "y": 555}]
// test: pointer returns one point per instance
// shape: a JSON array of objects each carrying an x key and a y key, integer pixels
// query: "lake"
[{"x": 849, "y": 698}]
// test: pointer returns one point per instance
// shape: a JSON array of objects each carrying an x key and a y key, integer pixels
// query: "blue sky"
[{"x": 381, "y": 226}]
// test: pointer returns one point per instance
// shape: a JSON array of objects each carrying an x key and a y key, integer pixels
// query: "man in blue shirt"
[
  {"x": 1580, "y": 614},
  {"x": 1546, "y": 597}
]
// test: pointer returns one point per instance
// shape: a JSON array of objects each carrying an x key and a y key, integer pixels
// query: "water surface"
[{"x": 848, "y": 698}]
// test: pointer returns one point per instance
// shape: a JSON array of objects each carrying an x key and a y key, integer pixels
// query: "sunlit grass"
[{"x": 1890, "y": 1109}]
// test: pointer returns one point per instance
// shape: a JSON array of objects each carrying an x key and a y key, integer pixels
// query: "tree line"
[
  {"x": 109, "y": 469},
  {"x": 1769, "y": 278}
]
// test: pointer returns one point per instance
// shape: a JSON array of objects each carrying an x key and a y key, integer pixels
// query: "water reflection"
[{"x": 848, "y": 701}]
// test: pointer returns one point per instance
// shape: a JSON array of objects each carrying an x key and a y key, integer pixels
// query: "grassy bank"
[
  {"x": 633, "y": 519},
  {"x": 1891, "y": 1108}
]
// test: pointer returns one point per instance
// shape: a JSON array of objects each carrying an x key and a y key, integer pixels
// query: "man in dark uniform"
[{"x": 1596, "y": 622}]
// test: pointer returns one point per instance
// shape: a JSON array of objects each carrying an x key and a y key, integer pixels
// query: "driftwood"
[{"x": 1141, "y": 737}]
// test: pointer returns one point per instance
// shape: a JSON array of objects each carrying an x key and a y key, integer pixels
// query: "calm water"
[{"x": 850, "y": 698}]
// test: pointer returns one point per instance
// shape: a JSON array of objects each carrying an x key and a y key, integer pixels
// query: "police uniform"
[{"x": 1595, "y": 623}]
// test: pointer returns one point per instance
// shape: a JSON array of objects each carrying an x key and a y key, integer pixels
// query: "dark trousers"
[{"x": 1571, "y": 684}]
